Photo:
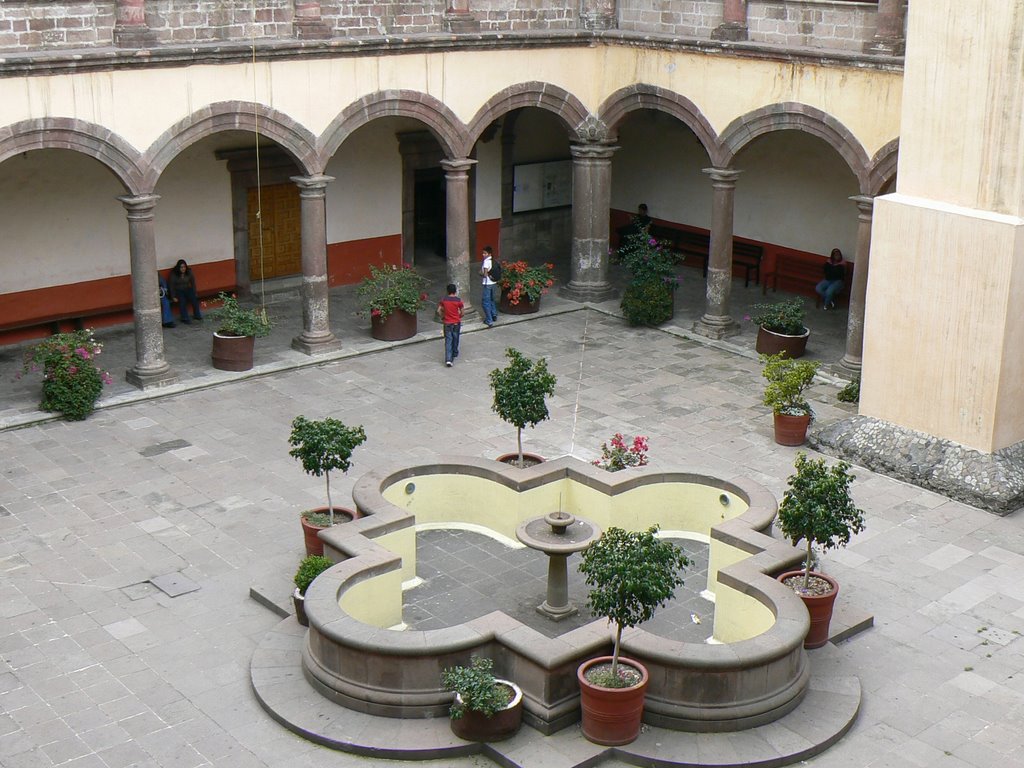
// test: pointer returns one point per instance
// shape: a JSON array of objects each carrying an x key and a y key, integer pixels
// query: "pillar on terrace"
[
  {"x": 851, "y": 361},
  {"x": 458, "y": 18},
  {"x": 716, "y": 322},
  {"x": 734, "y": 21},
  {"x": 316, "y": 337},
  {"x": 130, "y": 27},
  {"x": 307, "y": 23},
  {"x": 591, "y": 202},
  {"x": 456, "y": 176},
  {"x": 150, "y": 369},
  {"x": 888, "y": 39}
]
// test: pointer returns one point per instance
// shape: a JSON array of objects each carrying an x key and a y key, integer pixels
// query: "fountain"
[{"x": 558, "y": 535}]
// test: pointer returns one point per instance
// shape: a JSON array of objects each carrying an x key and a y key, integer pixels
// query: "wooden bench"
[
  {"x": 804, "y": 274},
  {"x": 697, "y": 244}
]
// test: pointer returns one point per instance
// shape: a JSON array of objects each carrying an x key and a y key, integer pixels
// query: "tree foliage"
[
  {"x": 520, "y": 392},
  {"x": 324, "y": 445}
]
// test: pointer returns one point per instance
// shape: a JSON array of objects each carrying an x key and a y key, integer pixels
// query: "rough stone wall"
[
  {"x": 186, "y": 21},
  {"x": 827, "y": 24},
  {"x": 32, "y": 24},
  {"x": 517, "y": 15},
  {"x": 384, "y": 17},
  {"x": 680, "y": 18}
]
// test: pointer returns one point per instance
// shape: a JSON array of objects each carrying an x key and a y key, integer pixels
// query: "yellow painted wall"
[{"x": 376, "y": 601}]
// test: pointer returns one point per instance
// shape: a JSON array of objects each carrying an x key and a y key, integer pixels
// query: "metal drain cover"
[{"x": 174, "y": 584}]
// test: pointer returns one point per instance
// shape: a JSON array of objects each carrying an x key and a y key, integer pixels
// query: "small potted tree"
[
  {"x": 310, "y": 567},
  {"x": 236, "y": 334},
  {"x": 520, "y": 389},
  {"x": 787, "y": 381},
  {"x": 781, "y": 327},
  {"x": 817, "y": 508},
  {"x": 323, "y": 446},
  {"x": 486, "y": 708},
  {"x": 393, "y": 295},
  {"x": 631, "y": 574}
]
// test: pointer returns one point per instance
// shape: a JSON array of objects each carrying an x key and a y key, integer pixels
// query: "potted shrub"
[
  {"x": 393, "y": 294},
  {"x": 486, "y": 708},
  {"x": 520, "y": 390},
  {"x": 649, "y": 299},
  {"x": 523, "y": 285},
  {"x": 72, "y": 381},
  {"x": 631, "y": 574},
  {"x": 781, "y": 327},
  {"x": 323, "y": 446},
  {"x": 817, "y": 508},
  {"x": 784, "y": 394},
  {"x": 235, "y": 338},
  {"x": 310, "y": 567},
  {"x": 617, "y": 454}
]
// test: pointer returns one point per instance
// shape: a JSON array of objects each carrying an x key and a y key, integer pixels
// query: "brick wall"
[
  {"x": 33, "y": 24},
  {"x": 383, "y": 17},
  {"x": 188, "y": 21},
  {"x": 516, "y": 15},
  {"x": 843, "y": 26},
  {"x": 680, "y": 18}
]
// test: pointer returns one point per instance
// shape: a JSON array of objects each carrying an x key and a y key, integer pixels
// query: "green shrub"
[
  {"x": 72, "y": 382},
  {"x": 520, "y": 389},
  {"x": 323, "y": 446},
  {"x": 646, "y": 259},
  {"x": 310, "y": 567},
  {"x": 787, "y": 381},
  {"x": 235, "y": 320},
  {"x": 851, "y": 392},
  {"x": 390, "y": 287},
  {"x": 476, "y": 688},
  {"x": 647, "y": 303},
  {"x": 785, "y": 317}
]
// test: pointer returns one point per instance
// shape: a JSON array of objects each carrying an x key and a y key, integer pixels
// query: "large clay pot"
[
  {"x": 611, "y": 716},
  {"x": 791, "y": 430},
  {"x": 529, "y": 459},
  {"x": 309, "y": 531},
  {"x": 523, "y": 307},
  {"x": 475, "y": 726},
  {"x": 771, "y": 343},
  {"x": 396, "y": 326},
  {"x": 232, "y": 353},
  {"x": 819, "y": 607},
  {"x": 299, "y": 601}
]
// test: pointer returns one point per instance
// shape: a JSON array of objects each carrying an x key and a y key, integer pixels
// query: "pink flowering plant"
[
  {"x": 617, "y": 454},
  {"x": 390, "y": 287},
  {"x": 72, "y": 381}
]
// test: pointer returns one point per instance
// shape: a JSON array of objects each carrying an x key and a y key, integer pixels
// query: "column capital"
[
  {"x": 865, "y": 203},
  {"x": 457, "y": 165},
  {"x": 723, "y": 176},
  {"x": 592, "y": 150},
  {"x": 314, "y": 182},
  {"x": 139, "y": 206}
]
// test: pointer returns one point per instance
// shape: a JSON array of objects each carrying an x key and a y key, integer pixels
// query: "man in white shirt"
[{"x": 487, "y": 304}]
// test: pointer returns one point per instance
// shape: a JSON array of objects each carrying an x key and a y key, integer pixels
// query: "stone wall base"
[{"x": 991, "y": 481}]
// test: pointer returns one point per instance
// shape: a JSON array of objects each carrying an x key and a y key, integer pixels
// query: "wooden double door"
[{"x": 274, "y": 213}]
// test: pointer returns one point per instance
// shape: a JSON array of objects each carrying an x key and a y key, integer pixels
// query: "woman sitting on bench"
[
  {"x": 183, "y": 291},
  {"x": 835, "y": 274}
]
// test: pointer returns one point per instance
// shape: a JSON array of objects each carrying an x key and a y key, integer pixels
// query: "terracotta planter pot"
[
  {"x": 395, "y": 327},
  {"x": 309, "y": 532},
  {"x": 819, "y": 607},
  {"x": 530, "y": 459},
  {"x": 791, "y": 430},
  {"x": 232, "y": 353},
  {"x": 611, "y": 716},
  {"x": 299, "y": 601},
  {"x": 475, "y": 726},
  {"x": 523, "y": 307},
  {"x": 771, "y": 343}
]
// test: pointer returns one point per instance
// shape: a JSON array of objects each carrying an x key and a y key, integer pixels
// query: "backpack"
[{"x": 495, "y": 270}]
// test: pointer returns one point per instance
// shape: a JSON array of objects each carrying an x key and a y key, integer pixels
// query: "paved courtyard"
[{"x": 98, "y": 667}]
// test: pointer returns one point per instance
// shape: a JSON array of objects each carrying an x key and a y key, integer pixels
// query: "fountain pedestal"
[{"x": 558, "y": 535}]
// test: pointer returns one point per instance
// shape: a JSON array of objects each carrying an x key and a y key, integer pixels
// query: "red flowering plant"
[
  {"x": 521, "y": 281},
  {"x": 390, "y": 287},
  {"x": 617, "y": 454},
  {"x": 72, "y": 381}
]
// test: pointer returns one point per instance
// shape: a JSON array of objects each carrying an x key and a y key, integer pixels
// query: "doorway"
[
  {"x": 281, "y": 225},
  {"x": 429, "y": 228}
]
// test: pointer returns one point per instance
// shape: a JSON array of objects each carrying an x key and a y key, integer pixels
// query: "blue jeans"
[
  {"x": 487, "y": 304},
  {"x": 828, "y": 289},
  {"x": 452, "y": 331},
  {"x": 185, "y": 298}
]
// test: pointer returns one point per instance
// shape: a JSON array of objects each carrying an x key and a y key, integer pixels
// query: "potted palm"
[
  {"x": 486, "y": 708},
  {"x": 310, "y": 567},
  {"x": 235, "y": 338},
  {"x": 781, "y": 327},
  {"x": 323, "y": 446},
  {"x": 818, "y": 509},
  {"x": 523, "y": 285},
  {"x": 631, "y": 574},
  {"x": 784, "y": 394},
  {"x": 393, "y": 294},
  {"x": 520, "y": 389}
]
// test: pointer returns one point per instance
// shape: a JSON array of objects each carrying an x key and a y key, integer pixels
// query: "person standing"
[
  {"x": 835, "y": 274},
  {"x": 450, "y": 309},
  {"x": 183, "y": 291},
  {"x": 487, "y": 304}
]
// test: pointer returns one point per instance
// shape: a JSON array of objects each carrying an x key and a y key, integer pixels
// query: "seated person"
[
  {"x": 835, "y": 274},
  {"x": 183, "y": 291},
  {"x": 640, "y": 221}
]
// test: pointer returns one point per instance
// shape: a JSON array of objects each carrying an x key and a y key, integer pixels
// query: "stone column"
[
  {"x": 150, "y": 369},
  {"x": 591, "y": 201},
  {"x": 734, "y": 21},
  {"x": 889, "y": 39},
  {"x": 130, "y": 27},
  {"x": 597, "y": 14},
  {"x": 458, "y": 18},
  {"x": 851, "y": 361},
  {"x": 316, "y": 337},
  {"x": 456, "y": 176},
  {"x": 716, "y": 322},
  {"x": 307, "y": 23}
]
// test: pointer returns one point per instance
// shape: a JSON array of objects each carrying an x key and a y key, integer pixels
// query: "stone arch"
[
  {"x": 232, "y": 116},
  {"x": 620, "y": 104},
  {"x": 116, "y": 154},
  {"x": 800, "y": 117},
  {"x": 435, "y": 115},
  {"x": 544, "y": 96},
  {"x": 882, "y": 168}
]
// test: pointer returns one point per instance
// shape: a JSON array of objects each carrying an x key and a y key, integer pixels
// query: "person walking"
[
  {"x": 450, "y": 309},
  {"x": 487, "y": 304},
  {"x": 835, "y": 274}
]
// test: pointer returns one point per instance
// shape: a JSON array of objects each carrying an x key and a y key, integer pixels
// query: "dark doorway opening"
[{"x": 429, "y": 232}]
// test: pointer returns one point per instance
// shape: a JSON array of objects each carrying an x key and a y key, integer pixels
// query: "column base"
[
  {"x": 847, "y": 367},
  {"x": 161, "y": 375},
  {"x": 134, "y": 37},
  {"x": 311, "y": 30},
  {"x": 316, "y": 345},
  {"x": 587, "y": 291},
  {"x": 557, "y": 612},
  {"x": 461, "y": 23},
  {"x": 731, "y": 31},
  {"x": 716, "y": 327},
  {"x": 886, "y": 46}
]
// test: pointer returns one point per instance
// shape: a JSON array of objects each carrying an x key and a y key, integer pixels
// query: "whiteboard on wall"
[{"x": 542, "y": 185}]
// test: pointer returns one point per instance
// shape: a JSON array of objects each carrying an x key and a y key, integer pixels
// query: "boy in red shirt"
[{"x": 450, "y": 310}]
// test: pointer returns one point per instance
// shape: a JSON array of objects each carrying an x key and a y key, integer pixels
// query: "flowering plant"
[
  {"x": 785, "y": 317},
  {"x": 390, "y": 287},
  {"x": 647, "y": 259},
  {"x": 519, "y": 280},
  {"x": 238, "y": 321},
  {"x": 616, "y": 454},
  {"x": 72, "y": 382}
]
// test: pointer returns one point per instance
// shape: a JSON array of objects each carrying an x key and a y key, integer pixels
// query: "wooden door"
[{"x": 281, "y": 226}]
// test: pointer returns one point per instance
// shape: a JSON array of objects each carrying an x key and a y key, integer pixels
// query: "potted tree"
[
  {"x": 323, "y": 446},
  {"x": 520, "y": 389},
  {"x": 818, "y": 509},
  {"x": 486, "y": 708},
  {"x": 784, "y": 394},
  {"x": 523, "y": 285},
  {"x": 393, "y": 295},
  {"x": 238, "y": 329},
  {"x": 310, "y": 567},
  {"x": 781, "y": 327},
  {"x": 649, "y": 299},
  {"x": 631, "y": 574}
]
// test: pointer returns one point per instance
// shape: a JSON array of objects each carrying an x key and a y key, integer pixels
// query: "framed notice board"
[{"x": 542, "y": 185}]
